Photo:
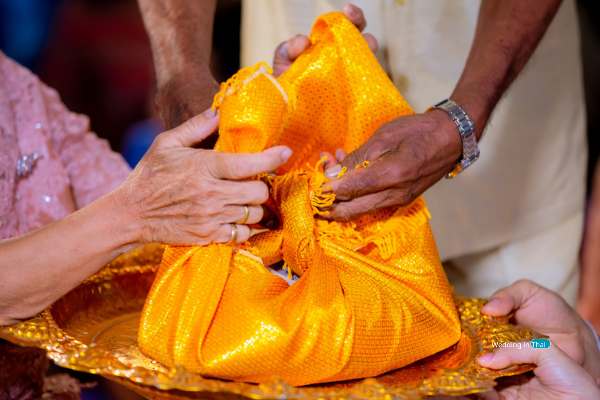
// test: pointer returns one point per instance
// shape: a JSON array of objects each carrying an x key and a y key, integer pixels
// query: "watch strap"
[{"x": 467, "y": 134}]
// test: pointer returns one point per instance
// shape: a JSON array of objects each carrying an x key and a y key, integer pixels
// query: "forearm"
[
  {"x": 41, "y": 266},
  {"x": 508, "y": 31},
  {"x": 589, "y": 301},
  {"x": 591, "y": 362},
  {"x": 590, "y": 255},
  {"x": 180, "y": 33}
]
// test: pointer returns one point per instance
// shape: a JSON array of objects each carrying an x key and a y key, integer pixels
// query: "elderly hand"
[
  {"x": 189, "y": 196},
  {"x": 546, "y": 312},
  {"x": 288, "y": 51},
  {"x": 177, "y": 195},
  {"x": 406, "y": 155}
]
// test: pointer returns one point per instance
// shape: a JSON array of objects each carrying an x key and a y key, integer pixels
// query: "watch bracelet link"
[{"x": 467, "y": 134}]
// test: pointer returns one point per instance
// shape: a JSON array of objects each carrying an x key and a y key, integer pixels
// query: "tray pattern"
[{"x": 93, "y": 329}]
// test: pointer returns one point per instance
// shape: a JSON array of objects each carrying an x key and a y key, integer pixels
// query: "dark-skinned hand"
[{"x": 407, "y": 156}]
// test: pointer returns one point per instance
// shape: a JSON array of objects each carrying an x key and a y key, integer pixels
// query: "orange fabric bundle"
[{"x": 372, "y": 295}]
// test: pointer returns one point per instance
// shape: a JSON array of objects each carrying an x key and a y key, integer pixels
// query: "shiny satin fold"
[{"x": 372, "y": 295}]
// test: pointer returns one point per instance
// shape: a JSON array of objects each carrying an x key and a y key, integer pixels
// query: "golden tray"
[{"x": 94, "y": 328}]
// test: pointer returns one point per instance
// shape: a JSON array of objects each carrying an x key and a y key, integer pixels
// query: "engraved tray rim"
[{"x": 479, "y": 330}]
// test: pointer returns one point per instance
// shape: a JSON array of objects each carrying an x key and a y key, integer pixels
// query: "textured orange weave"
[{"x": 372, "y": 295}]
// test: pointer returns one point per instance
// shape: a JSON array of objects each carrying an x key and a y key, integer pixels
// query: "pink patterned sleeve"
[{"x": 93, "y": 168}]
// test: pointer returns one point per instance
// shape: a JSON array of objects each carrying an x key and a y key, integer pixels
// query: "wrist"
[
  {"x": 189, "y": 72},
  {"x": 477, "y": 105},
  {"x": 449, "y": 137},
  {"x": 466, "y": 130},
  {"x": 123, "y": 215},
  {"x": 182, "y": 97},
  {"x": 178, "y": 86}
]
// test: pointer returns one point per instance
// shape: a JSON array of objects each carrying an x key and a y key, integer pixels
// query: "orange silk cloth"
[{"x": 372, "y": 295}]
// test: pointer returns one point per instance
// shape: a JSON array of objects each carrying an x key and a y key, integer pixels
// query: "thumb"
[
  {"x": 236, "y": 166},
  {"x": 192, "y": 132},
  {"x": 287, "y": 52},
  {"x": 346, "y": 211}
]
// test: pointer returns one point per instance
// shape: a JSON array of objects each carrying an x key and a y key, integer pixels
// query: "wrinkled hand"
[
  {"x": 288, "y": 51},
  {"x": 187, "y": 196},
  {"x": 546, "y": 312},
  {"x": 406, "y": 155},
  {"x": 557, "y": 376}
]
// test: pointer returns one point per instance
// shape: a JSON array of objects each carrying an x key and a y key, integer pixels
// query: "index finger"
[
  {"x": 556, "y": 371},
  {"x": 525, "y": 353},
  {"x": 236, "y": 166}
]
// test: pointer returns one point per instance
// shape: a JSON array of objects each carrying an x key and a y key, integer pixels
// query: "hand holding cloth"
[{"x": 372, "y": 295}]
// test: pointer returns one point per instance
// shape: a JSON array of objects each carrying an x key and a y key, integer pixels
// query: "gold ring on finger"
[
  {"x": 243, "y": 221},
  {"x": 234, "y": 233}
]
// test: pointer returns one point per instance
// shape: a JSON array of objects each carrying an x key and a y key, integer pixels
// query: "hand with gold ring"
[
  {"x": 177, "y": 195},
  {"x": 257, "y": 212},
  {"x": 246, "y": 215},
  {"x": 234, "y": 232},
  {"x": 189, "y": 196}
]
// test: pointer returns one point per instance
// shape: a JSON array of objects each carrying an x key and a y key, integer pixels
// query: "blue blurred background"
[{"x": 96, "y": 54}]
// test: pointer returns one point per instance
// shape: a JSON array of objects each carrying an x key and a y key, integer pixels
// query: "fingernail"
[
  {"x": 333, "y": 172},
  {"x": 486, "y": 359},
  {"x": 283, "y": 49},
  {"x": 210, "y": 113},
  {"x": 493, "y": 303},
  {"x": 340, "y": 155},
  {"x": 286, "y": 154}
]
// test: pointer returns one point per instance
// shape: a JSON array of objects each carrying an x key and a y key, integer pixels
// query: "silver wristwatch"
[{"x": 467, "y": 134}]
